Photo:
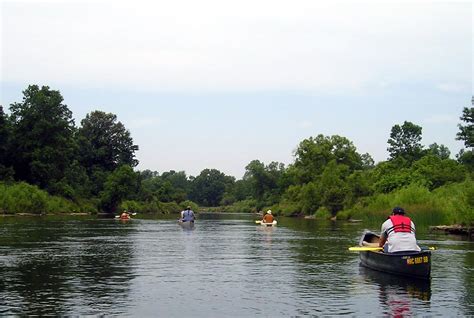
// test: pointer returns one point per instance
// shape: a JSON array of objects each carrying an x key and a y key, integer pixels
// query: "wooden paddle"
[{"x": 258, "y": 222}]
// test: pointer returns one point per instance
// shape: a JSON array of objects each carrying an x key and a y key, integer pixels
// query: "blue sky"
[{"x": 214, "y": 85}]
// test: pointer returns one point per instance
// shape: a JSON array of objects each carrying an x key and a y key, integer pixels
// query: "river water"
[{"x": 224, "y": 266}]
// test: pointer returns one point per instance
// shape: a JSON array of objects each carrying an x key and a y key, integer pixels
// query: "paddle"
[
  {"x": 118, "y": 216},
  {"x": 366, "y": 248},
  {"x": 258, "y": 222}
]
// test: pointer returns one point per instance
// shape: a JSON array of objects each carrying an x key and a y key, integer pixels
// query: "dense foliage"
[{"x": 47, "y": 164}]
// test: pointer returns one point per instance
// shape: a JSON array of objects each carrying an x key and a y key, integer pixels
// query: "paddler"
[
  {"x": 268, "y": 218},
  {"x": 398, "y": 233}
]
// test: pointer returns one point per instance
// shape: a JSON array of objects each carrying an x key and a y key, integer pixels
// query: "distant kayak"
[
  {"x": 186, "y": 223},
  {"x": 266, "y": 224},
  {"x": 124, "y": 217}
]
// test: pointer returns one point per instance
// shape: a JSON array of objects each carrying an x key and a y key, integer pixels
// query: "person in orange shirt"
[{"x": 268, "y": 218}]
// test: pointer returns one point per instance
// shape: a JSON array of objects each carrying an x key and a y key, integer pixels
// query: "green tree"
[
  {"x": 265, "y": 182},
  {"x": 121, "y": 184},
  {"x": 405, "y": 143},
  {"x": 440, "y": 151},
  {"x": 42, "y": 137},
  {"x": 313, "y": 154},
  {"x": 6, "y": 171},
  {"x": 437, "y": 171},
  {"x": 392, "y": 175},
  {"x": 466, "y": 132},
  {"x": 209, "y": 186},
  {"x": 105, "y": 143},
  {"x": 333, "y": 186}
]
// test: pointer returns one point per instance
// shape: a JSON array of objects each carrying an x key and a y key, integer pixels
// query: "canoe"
[
  {"x": 410, "y": 263},
  {"x": 267, "y": 224},
  {"x": 187, "y": 223}
]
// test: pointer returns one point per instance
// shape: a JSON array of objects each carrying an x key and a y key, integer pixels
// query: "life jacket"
[
  {"x": 188, "y": 215},
  {"x": 400, "y": 223},
  {"x": 268, "y": 218}
]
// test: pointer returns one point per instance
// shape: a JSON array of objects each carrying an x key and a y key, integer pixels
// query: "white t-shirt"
[{"x": 400, "y": 241}]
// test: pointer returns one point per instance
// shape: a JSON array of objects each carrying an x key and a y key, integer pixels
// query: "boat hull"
[
  {"x": 274, "y": 223},
  {"x": 409, "y": 264},
  {"x": 187, "y": 223}
]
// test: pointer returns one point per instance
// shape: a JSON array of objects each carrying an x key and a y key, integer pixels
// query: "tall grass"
[
  {"x": 150, "y": 207},
  {"x": 22, "y": 198},
  {"x": 450, "y": 204},
  {"x": 25, "y": 198}
]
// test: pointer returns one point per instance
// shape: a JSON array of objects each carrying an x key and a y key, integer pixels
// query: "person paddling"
[
  {"x": 187, "y": 215},
  {"x": 125, "y": 215},
  {"x": 398, "y": 233},
  {"x": 268, "y": 218}
]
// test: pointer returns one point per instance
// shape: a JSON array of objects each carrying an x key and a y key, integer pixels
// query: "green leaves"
[
  {"x": 405, "y": 143},
  {"x": 466, "y": 132},
  {"x": 42, "y": 136}
]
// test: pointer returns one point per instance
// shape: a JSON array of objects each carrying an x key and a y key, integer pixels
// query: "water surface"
[{"x": 225, "y": 266}]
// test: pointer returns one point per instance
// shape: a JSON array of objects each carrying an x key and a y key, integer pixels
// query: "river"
[{"x": 224, "y": 266}]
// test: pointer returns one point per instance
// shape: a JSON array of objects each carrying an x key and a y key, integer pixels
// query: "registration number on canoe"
[{"x": 418, "y": 260}]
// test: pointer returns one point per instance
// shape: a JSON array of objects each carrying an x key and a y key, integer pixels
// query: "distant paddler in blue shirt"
[{"x": 187, "y": 215}]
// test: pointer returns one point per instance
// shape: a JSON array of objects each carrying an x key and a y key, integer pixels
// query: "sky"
[{"x": 217, "y": 84}]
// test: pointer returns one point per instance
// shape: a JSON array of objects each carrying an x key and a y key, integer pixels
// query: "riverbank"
[{"x": 456, "y": 229}]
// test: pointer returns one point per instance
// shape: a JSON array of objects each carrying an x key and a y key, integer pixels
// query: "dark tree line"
[{"x": 41, "y": 145}]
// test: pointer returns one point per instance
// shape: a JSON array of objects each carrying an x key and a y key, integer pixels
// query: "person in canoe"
[
  {"x": 398, "y": 233},
  {"x": 187, "y": 215},
  {"x": 125, "y": 215},
  {"x": 268, "y": 218}
]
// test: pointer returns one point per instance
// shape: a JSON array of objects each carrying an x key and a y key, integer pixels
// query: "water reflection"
[
  {"x": 396, "y": 293},
  {"x": 225, "y": 265},
  {"x": 49, "y": 267}
]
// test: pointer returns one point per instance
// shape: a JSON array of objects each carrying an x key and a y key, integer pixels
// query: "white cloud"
[{"x": 212, "y": 45}]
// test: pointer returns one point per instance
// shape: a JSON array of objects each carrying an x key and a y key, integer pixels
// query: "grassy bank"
[
  {"x": 450, "y": 204},
  {"x": 25, "y": 198}
]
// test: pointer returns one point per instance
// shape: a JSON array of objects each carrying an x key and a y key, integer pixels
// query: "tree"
[
  {"x": 6, "y": 172},
  {"x": 313, "y": 154},
  {"x": 333, "y": 187},
  {"x": 42, "y": 131},
  {"x": 437, "y": 171},
  {"x": 440, "y": 151},
  {"x": 121, "y": 184},
  {"x": 105, "y": 143},
  {"x": 209, "y": 187},
  {"x": 466, "y": 133},
  {"x": 265, "y": 182},
  {"x": 405, "y": 143}
]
